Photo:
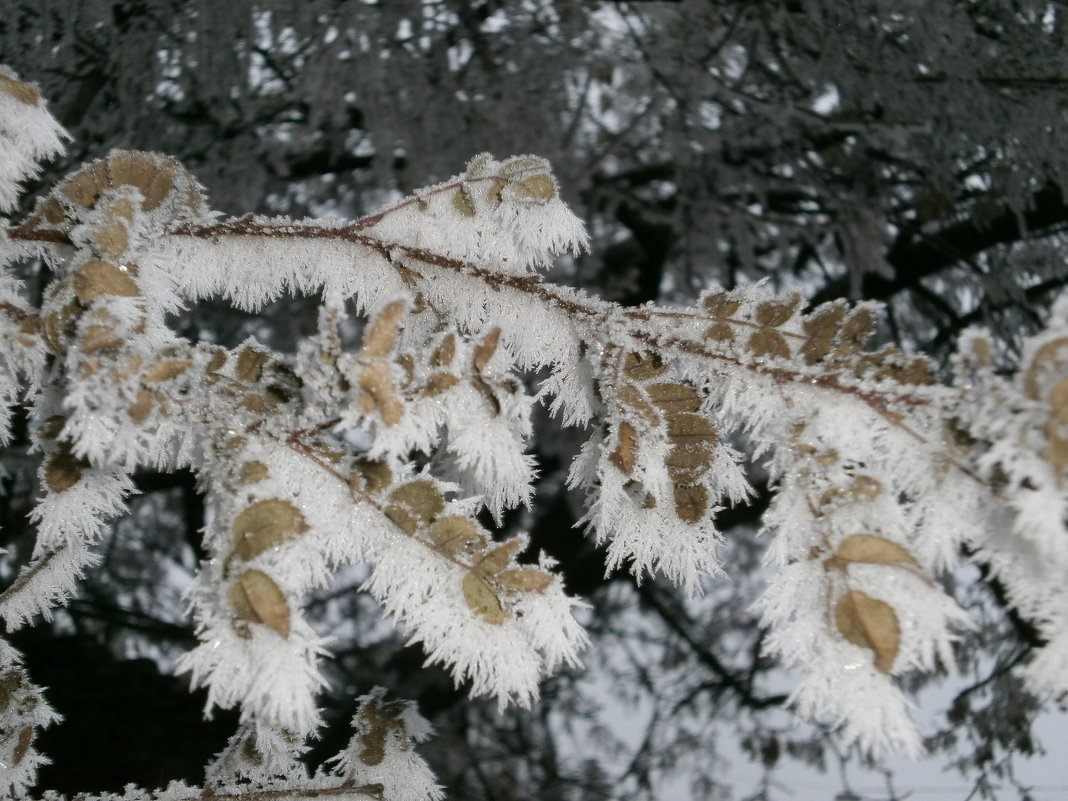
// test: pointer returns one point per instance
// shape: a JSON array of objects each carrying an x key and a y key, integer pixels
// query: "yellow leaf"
[{"x": 869, "y": 623}]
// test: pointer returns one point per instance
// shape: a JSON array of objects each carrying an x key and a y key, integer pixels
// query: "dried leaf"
[
  {"x": 96, "y": 278},
  {"x": 376, "y": 381},
  {"x": 369, "y": 475},
  {"x": 142, "y": 407},
  {"x": 633, "y": 398},
  {"x": 22, "y": 745},
  {"x": 869, "y": 623},
  {"x": 499, "y": 558},
  {"x": 691, "y": 502},
  {"x": 249, "y": 365},
  {"x": 871, "y": 549},
  {"x": 265, "y": 524},
  {"x": 643, "y": 366},
  {"x": 824, "y": 322},
  {"x": 482, "y": 599},
  {"x": 438, "y": 383},
  {"x": 858, "y": 327},
  {"x": 526, "y": 579},
  {"x": 690, "y": 429},
  {"x": 415, "y": 504},
  {"x": 626, "y": 452},
  {"x": 461, "y": 201},
  {"x": 687, "y": 463},
  {"x": 769, "y": 342},
  {"x": 52, "y": 427},
  {"x": 720, "y": 304},
  {"x": 378, "y": 341},
  {"x": 487, "y": 393},
  {"x": 63, "y": 469},
  {"x": 253, "y": 472},
  {"x": 537, "y": 187},
  {"x": 1048, "y": 366},
  {"x": 99, "y": 337},
  {"x": 25, "y": 93},
  {"x": 719, "y": 332},
  {"x": 454, "y": 533},
  {"x": 774, "y": 313},
  {"x": 85, "y": 186},
  {"x": 111, "y": 238},
  {"x": 444, "y": 352},
  {"x": 216, "y": 362},
  {"x": 256, "y": 598},
  {"x": 486, "y": 348},
  {"x": 165, "y": 370},
  {"x": 674, "y": 398},
  {"x": 380, "y": 720}
]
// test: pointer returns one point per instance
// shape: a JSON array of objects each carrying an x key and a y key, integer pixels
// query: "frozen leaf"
[
  {"x": 687, "y": 463},
  {"x": 769, "y": 342},
  {"x": 461, "y": 201},
  {"x": 99, "y": 337},
  {"x": 142, "y": 406},
  {"x": 454, "y": 533},
  {"x": 869, "y": 623},
  {"x": 872, "y": 549},
  {"x": 265, "y": 524},
  {"x": 378, "y": 342},
  {"x": 774, "y": 313},
  {"x": 1048, "y": 366},
  {"x": 691, "y": 502},
  {"x": 690, "y": 429},
  {"x": 498, "y": 559},
  {"x": 97, "y": 278},
  {"x": 23, "y": 92},
  {"x": 438, "y": 383},
  {"x": 674, "y": 398},
  {"x": 111, "y": 238},
  {"x": 165, "y": 370},
  {"x": 643, "y": 366},
  {"x": 249, "y": 365},
  {"x": 256, "y": 598},
  {"x": 626, "y": 451},
  {"x": 444, "y": 352},
  {"x": 858, "y": 327},
  {"x": 370, "y": 475},
  {"x": 415, "y": 504},
  {"x": 253, "y": 472},
  {"x": 63, "y": 469},
  {"x": 721, "y": 304},
  {"x": 633, "y": 398},
  {"x": 527, "y": 579},
  {"x": 485, "y": 349},
  {"x": 376, "y": 381},
  {"x": 719, "y": 332},
  {"x": 483, "y": 600}
]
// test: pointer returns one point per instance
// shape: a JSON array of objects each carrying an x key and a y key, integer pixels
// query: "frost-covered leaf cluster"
[{"x": 386, "y": 453}]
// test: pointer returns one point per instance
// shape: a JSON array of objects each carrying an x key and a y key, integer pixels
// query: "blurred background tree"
[{"x": 913, "y": 153}]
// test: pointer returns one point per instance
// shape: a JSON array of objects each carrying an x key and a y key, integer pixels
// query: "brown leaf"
[
  {"x": 22, "y": 745},
  {"x": 526, "y": 579},
  {"x": 719, "y": 332},
  {"x": 483, "y": 600},
  {"x": 687, "y": 463},
  {"x": 824, "y": 322},
  {"x": 487, "y": 393},
  {"x": 643, "y": 366},
  {"x": 769, "y": 342},
  {"x": 461, "y": 201},
  {"x": 378, "y": 341},
  {"x": 63, "y": 469},
  {"x": 691, "y": 503},
  {"x": 25, "y": 93},
  {"x": 674, "y": 398},
  {"x": 871, "y": 549},
  {"x": 1048, "y": 366},
  {"x": 249, "y": 365},
  {"x": 51, "y": 427},
  {"x": 415, "y": 504},
  {"x": 626, "y": 452},
  {"x": 774, "y": 313},
  {"x": 256, "y": 598},
  {"x": 444, "y": 352},
  {"x": 99, "y": 337},
  {"x": 454, "y": 533},
  {"x": 369, "y": 475},
  {"x": 633, "y": 398},
  {"x": 85, "y": 186},
  {"x": 165, "y": 370},
  {"x": 486, "y": 348},
  {"x": 438, "y": 383},
  {"x": 690, "y": 429},
  {"x": 721, "y": 304},
  {"x": 253, "y": 472},
  {"x": 498, "y": 559},
  {"x": 96, "y": 278},
  {"x": 869, "y": 623},
  {"x": 858, "y": 327},
  {"x": 265, "y": 524},
  {"x": 376, "y": 381},
  {"x": 537, "y": 187},
  {"x": 142, "y": 407}
]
